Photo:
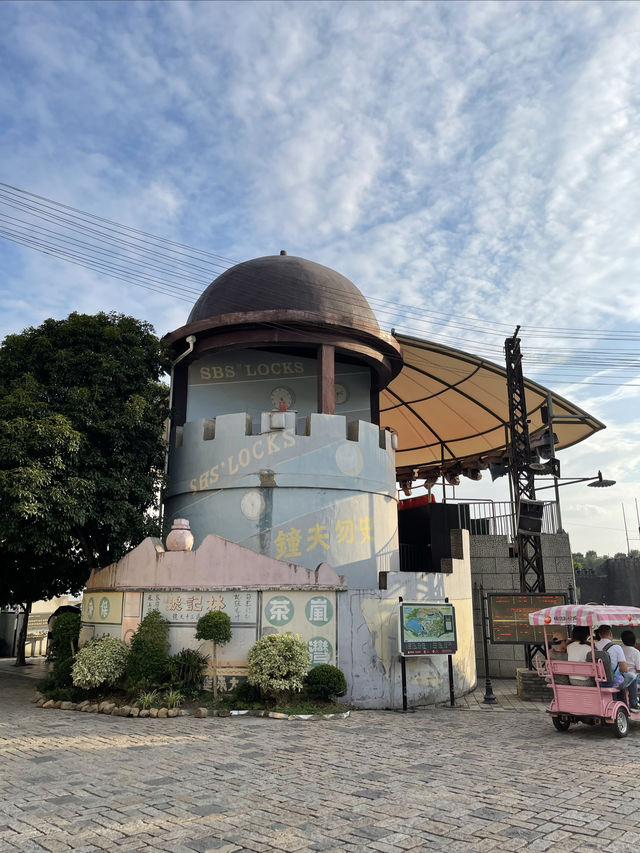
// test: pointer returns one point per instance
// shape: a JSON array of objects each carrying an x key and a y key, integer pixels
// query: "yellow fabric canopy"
[{"x": 450, "y": 410}]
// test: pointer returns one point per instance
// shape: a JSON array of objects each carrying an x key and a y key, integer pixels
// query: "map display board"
[
  {"x": 427, "y": 628},
  {"x": 509, "y": 616}
]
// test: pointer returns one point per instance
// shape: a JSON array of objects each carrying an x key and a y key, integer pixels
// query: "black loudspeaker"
[{"x": 530, "y": 517}]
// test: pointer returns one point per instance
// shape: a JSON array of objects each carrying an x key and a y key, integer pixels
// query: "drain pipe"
[{"x": 190, "y": 339}]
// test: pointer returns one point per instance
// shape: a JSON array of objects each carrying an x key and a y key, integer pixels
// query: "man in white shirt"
[{"x": 619, "y": 662}]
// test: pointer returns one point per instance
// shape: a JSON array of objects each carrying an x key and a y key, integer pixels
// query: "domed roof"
[{"x": 283, "y": 282}]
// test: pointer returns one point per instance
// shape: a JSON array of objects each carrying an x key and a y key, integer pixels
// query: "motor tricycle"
[{"x": 596, "y": 701}]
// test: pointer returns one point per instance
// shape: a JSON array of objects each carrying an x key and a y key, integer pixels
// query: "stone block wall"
[{"x": 494, "y": 566}]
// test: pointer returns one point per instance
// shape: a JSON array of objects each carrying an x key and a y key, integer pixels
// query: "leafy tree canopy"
[{"x": 82, "y": 410}]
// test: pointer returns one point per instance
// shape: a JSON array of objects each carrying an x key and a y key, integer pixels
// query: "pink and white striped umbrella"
[{"x": 590, "y": 615}]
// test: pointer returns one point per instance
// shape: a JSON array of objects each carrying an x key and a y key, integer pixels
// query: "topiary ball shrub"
[
  {"x": 100, "y": 663},
  {"x": 278, "y": 664},
  {"x": 148, "y": 662},
  {"x": 325, "y": 682}
]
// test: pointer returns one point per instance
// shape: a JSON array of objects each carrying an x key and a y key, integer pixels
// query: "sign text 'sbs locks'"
[{"x": 248, "y": 371}]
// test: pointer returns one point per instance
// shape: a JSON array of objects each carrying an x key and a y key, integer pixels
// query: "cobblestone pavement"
[{"x": 437, "y": 779}]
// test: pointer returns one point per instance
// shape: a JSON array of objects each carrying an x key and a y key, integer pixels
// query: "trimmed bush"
[
  {"x": 188, "y": 667},
  {"x": 278, "y": 664},
  {"x": 149, "y": 657},
  {"x": 246, "y": 692},
  {"x": 100, "y": 663},
  {"x": 325, "y": 682},
  {"x": 64, "y": 644},
  {"x": 64, "y": 636},
  {"x": 216, "y": 627}
]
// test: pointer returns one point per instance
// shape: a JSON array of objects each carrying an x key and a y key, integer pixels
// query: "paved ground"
[{"x": 438, "y": 779}]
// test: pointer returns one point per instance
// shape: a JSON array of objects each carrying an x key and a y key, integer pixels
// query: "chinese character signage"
[
  {"x": 186, "y": 607},
  {"x": 427, "y": 629},
  {"x": 509, "y": 616},
  {"x": 102, "y": 607},
  {"x": 312, "y": 615}
]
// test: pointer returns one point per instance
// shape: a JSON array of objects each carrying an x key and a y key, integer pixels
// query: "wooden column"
[{"x": 326, "y": 380}]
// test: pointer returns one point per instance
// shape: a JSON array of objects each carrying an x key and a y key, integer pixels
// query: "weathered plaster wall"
[{"x": 369, "y": 636}]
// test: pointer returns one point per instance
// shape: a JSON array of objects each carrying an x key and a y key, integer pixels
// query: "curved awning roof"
[{"x": 450, "y": 411}]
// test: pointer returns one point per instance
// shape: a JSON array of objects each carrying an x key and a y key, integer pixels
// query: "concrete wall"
[{"x": 493, "y": 568}]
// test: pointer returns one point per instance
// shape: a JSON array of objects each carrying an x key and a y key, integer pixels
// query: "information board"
[
  {"x": 509, "y": 616},
  {"x": 427, "y": 628}
]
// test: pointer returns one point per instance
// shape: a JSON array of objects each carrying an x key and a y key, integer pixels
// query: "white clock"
[
  {"x": 282, "y": 394},
  {"x": 341, "y": 392}
]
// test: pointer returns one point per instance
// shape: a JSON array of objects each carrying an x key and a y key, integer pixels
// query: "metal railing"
[{"x": 496, "y": 518}]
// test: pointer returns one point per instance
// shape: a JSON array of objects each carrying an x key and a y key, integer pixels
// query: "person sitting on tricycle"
[{"x": 623, "y": 677}]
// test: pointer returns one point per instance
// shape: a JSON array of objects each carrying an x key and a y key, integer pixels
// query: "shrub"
[
  {"x": 246, "y": 692},
  {"x": 173, "y": 698},
  {"x": 148, "y": 699},
  {"x": 188, "y": 667},
  {"x": 214, "y": 626},
  {"x": 325, "y": 682},
  {"x": 64, "y": 636},
  {"x": 149, "y": 656},
  {"x": 277, "y": 665},
  {"x": 64, "y": 644},
  {"x": 100, "y": 662}
]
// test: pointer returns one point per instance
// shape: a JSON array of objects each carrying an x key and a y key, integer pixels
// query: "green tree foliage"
[
  {"x": 188, "y": 668},
  {"x": 100, "y": 663},
  {"x": 148, "y": 661},
  {"x": 588, "y": 563},
  {"x": 81, "y": 450},
  {"x": 278, "y": 664},
  {"x": 216, "y": 627}
]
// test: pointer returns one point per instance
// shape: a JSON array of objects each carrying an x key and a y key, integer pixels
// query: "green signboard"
[{"x": 427, "y": 628}]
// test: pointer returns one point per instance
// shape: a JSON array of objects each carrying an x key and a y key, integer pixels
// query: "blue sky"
[{"x": 460, "y": 160}]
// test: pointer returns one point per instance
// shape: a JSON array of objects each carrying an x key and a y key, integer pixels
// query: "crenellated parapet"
[
  {"x": 325, "y": 495},
  {"x": 224, "y": 453}
]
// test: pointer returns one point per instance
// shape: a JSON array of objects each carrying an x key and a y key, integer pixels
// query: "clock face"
[
  {"x": 342, "y": 393},
  {"x": 282, "y": 394}
]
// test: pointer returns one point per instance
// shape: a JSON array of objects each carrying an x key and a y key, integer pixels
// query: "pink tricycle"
[{"x": 590, "y": 702}]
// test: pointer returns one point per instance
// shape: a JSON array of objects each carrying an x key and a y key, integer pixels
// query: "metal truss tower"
[{"x": 522, "y": 478}]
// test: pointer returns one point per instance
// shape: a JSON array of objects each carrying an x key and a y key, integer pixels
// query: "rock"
[
  {"x": 93, "y": 709},
  {"x": 224, "y": 713},
  {"x": 163, "y": 712},
  {"x": 125, "y": 710},
  {"x": 40, "y": 702},
  {"x": 201, "y": 712},
  {"x": 173, "y": 712},
  {"x": 102, "y": 706},
  {"x": 107, "y": 707},
  {"x": 36, "y": 696},
  {"x": 276, "y": 715},
  {"x": 57, "y": 704},
  {"x": 183, "y": 713},
  {"x": 82, "y": 706},
  {"x": 49, "y": 704},
  {"x": 67, "y": 706},
  {"x": 144, "y": 712},
  {"x": 153, "y": 712},
  {"x": 134, "y": 712}
]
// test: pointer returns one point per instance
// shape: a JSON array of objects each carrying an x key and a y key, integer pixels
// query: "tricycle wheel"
[
  {"x": 561, "y": 723},
  {"x": 621, "y": 723}
]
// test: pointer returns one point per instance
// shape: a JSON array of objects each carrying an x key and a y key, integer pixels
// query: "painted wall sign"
[
  {"x": 427, "y": 628},
  {"x": 311, "y": 615},
  {"x": 187, "y": 606},
  {"x": 102, "y": 608},
  {"x": 509, "y": 616}
]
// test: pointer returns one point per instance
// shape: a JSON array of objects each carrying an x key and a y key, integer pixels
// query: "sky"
[{"x": 470, "y": 166}]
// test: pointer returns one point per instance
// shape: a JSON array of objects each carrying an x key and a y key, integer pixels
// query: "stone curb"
[{"x": 110, "y": 708}]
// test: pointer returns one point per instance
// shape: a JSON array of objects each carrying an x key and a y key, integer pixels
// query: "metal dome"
[{"x": 287, "y": 283}]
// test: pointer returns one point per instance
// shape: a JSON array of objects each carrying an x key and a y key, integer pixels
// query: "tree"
[
  {"x": 215, "y": 626},
  {"x": 81, "y": 450}
]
